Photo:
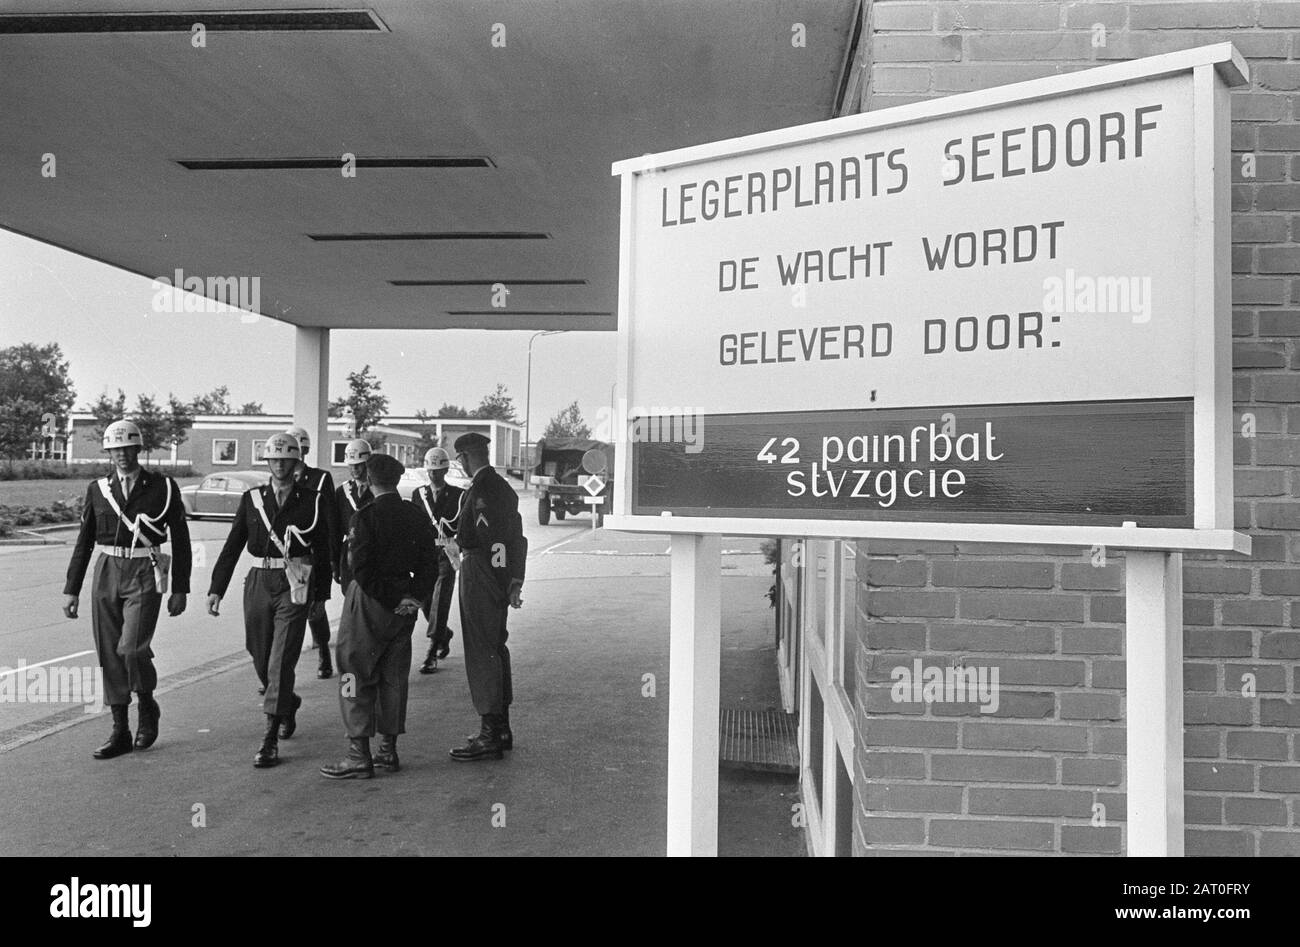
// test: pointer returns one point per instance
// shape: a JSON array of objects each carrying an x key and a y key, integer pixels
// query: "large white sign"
[
  {"x": 1035, "y": 252},
  {"x": 1051, "y": 248}
]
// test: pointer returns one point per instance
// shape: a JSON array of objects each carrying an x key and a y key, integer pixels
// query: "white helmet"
[
  {"x": 299, "y": 434},
  {"x": 122, "y": 434},
  {"x": 435, "y": 458},
  {"x": 356, "y": 452},
  {"x": 279, "y": 446}
]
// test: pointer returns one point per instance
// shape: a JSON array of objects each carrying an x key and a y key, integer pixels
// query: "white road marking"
[
  {"x": 66, "y": 657},
  {"x": 577, "y": 534}
]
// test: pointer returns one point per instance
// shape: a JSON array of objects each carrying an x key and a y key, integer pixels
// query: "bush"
[
  {"x": 12, "y": 517},
  {"x": 57, "y": 470}
]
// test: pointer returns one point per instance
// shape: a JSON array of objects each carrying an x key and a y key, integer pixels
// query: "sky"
[{"x": 103, "y": 319}]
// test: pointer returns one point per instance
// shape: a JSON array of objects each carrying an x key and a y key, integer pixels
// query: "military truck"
[{"x": 560, "y": 471}]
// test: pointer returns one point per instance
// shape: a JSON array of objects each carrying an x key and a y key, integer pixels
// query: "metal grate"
[{"x": 762, "y": 740}]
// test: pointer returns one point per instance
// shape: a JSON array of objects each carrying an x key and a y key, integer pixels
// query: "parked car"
[
  {"x": 558, "y": 474},
  {"x": 217, "y": 496}
]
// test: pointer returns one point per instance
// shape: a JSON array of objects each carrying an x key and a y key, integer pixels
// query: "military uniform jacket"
[
  {"x": 348, "y": 498},
  {"x": 304, "y": 509},
  {"x": 153, "y": 495},
  {"x": 330, "y": 545},
  {"x": 391, "y": 551},
  {"x": 444, "y": 503},
  {"x": 490, "y": 525}
]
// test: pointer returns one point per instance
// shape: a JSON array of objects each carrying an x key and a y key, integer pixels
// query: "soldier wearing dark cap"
[
  {"x": 392, "y": 557},
  {"x": 491, "y": 537}
]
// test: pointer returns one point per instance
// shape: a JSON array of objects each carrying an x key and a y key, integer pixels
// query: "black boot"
[
  {"x": 119, "y": 741},
  {"x": 289, "y": 722},
  {"x": 326, "y": 668},
  {"x": 386, "y": 757},
  {"x": 356, "y": 765},
  {"x": 486, "y": 745},
  {"x": 444, "y": 646},
  {"x": 269, "y": 754},
  {"x": 430, "y": 665},
  {"x": 146, "y": 732},
  {"x": 505, "y": 736}
]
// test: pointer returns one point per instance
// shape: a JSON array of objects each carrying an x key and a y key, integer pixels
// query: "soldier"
[
  {"x": 282, "y": 525},
  {"x": 440, "y": 502},
  {"x": 393, "y": 567},
  {"x": 491, "y": 576},
  {"x": 349, "y": 498},
  {"x": 129, "y": 515},
  {"x": 314, "y": 478}
]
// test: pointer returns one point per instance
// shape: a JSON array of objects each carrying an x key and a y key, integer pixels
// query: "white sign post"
[
  {"x": 1003, "y": 316},
  {"x": 593, "y": 485}
]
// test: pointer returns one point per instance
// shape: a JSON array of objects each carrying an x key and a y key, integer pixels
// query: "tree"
[
  {"x": 107, "y": 410},
  {"x": 251, "y": 407},
  {"x": 567, "y": 423},
  {"x": 498, "y": 405},
  {"x": 152, "y": 422},
  {"x": 452, "y": 411},
  {"x": 428, "y": 433},
  {"x": 34, "y": 382},
  {"x": 216, "y": 401},
  {"x": 366, "y": 402},
  {"x": 179, "y": 421}
]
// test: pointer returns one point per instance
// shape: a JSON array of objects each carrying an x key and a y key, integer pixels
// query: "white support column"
[
  {"x": 1153, "y": 652},
  {"x": 694, "y": 664},
  {"x": 311, "y": 373}
]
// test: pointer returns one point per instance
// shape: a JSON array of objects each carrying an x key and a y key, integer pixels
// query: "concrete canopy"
[{"x": 577, "y": 85}]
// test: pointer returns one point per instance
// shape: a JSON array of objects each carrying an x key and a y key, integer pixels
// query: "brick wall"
[{"x": 1043, "y": 773}]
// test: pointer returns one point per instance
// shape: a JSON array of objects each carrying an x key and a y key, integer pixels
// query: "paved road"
[
  {"x": 587, "y": 775},
  {"x": 35, "y": 632}
]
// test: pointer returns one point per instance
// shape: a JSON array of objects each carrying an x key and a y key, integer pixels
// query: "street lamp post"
[{"x": 528, "y": 405}]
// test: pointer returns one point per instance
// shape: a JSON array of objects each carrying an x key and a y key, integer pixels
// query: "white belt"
[
  {"x": 126, "y": 552},
  {"x": 267, "y": 562}
]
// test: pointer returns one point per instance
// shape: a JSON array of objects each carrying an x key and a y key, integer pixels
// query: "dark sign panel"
[{"x": 1097, "y": 463}]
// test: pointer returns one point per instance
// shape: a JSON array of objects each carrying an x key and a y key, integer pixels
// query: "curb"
[{"x": 47, "y": 726}]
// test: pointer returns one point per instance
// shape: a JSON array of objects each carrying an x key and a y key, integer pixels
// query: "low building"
[{"x": 229, "y": 441}]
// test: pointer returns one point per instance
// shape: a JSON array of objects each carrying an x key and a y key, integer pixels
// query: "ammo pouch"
[
  {"x": 162, "y": 564},
  {"x": 298, "y": 572}
]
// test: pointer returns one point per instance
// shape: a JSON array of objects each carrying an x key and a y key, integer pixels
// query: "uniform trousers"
[
  {"x": 320, "y": 627},
  {"x": 125, "y": 603},
  {"x": 437, "y": 607},
  {"x": 273, "y": 631},
  {"x": 483, "y": 610},
  {"x": 374, "y": 658}
]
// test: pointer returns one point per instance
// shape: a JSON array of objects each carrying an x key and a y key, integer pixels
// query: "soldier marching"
[
  {"x": 349, "y": 498},
  {"x": 394, "y": 560},
  {"x": 129, "y": 515},
  {"x": 440, "y": 502},
  {"x": 283, "y": 526},
  {"x": 327, "y": 552}
]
